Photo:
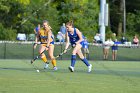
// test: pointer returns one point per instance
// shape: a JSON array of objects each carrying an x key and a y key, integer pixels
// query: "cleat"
[
  {"x": 46, "y": 65},
  {"x": 89, "y": 68},
  {"x": 55, "y": 68},
  {"x": 71, "y": 69}
]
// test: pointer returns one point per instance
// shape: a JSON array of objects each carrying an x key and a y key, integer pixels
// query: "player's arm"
[
  {"x": 80, "y": 36},
  {"x": 67, "y": 42},
  {"x": 34, "y": 31},
  {"x": 36, "y": 40},
  {"x": 49, "y": 38}
]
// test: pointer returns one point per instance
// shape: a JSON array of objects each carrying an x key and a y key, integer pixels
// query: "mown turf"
[{"x": 19, "y": 76}]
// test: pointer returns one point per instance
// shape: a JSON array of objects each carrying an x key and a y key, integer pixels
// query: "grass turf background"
[{"x": 19, "y": 76}]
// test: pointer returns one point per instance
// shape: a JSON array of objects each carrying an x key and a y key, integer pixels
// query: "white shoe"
[
  {"x": 89, "y": 68},
  {"x": 71, "y": 68},
  {"x": 55, "y": 68},
  {"x": 46, "y": 65}
]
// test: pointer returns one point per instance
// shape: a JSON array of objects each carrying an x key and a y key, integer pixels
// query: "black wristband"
[
  {"x": 47, "y": 46},
  {"x": 35, "y": 43}
]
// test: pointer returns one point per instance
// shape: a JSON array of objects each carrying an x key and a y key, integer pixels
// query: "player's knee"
[
  {"x": 52, "y": 57},
  {"x": 83, "y": 59},
  {"x": 74, "y": 52},
  {"x": 42, "y": 55}
]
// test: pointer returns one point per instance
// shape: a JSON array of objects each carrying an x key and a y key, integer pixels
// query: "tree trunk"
[
  {"x": 120, "y": 28},
  {"x": 120, "y": 24}
]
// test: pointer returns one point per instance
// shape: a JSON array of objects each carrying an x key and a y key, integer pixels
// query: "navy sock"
[
  {"x": 73, "y": 60},
  {"x": 85, "y": 61}
]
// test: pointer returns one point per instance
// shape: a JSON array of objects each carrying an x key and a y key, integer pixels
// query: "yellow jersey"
[{"x": 43, "y": 35}]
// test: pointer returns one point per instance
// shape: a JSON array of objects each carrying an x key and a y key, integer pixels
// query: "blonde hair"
[{"x": 45, "y": 21}]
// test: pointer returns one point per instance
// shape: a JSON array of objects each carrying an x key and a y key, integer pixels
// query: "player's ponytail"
[{"x": 50, "y": 27}]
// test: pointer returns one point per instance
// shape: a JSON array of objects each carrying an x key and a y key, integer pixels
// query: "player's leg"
[
  {"x": 43, "y": 56},
  {"x": 50, "y": 52},
  {"x": 85, "y": 54},
  {"x": 113, "y": 55},
  {"x": 73, "y": 57},
  {"x": 80, "y": 54},
  {"x": 107, "y": 53},
  {"x": 104, "y": 53}
]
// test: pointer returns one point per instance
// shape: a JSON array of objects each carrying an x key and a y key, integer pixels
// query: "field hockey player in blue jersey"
[{"x": 76, "y": 39}]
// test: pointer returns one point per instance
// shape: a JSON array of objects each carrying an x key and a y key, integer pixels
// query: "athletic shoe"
[
  {"x": 89, "y": 68},
  {"x": 55, "y": 68},
  {"x": 71, "y": 68},
  {"x": 46, "y": 65}
]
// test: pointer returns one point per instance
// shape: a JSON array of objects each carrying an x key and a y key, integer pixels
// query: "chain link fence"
[{"x": 24, "y": 50}]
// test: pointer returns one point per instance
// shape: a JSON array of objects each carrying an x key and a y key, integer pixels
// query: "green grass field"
[{"x": 19, "y": 76}]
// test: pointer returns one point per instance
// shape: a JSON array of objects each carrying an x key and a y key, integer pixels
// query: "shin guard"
[
  {"x": 73, "y": 60},
  {"x": 85, "y": 61}
]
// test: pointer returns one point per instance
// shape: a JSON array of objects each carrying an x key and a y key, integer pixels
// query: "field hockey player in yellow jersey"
[{"x": 45, "y": 36}]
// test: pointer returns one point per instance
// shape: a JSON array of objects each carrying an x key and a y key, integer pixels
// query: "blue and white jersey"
[
  {"x": 63, "y": 29},
  {"x": 115, "y": 45},
  {"x": 37, "y": 29},
  {"x": 85, "y": 44},
  {"x": 74, "y": 37}
]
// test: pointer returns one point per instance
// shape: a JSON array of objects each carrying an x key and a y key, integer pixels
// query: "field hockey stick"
[
  {"x": 38, "y": 55},
  {"x": 38, "y": 43},
  {"x": 32, "y": 61},
  {"x": 63, "y": 53}
]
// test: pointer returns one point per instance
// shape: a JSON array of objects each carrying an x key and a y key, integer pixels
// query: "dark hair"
[{"x": 70, "y": 23}]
